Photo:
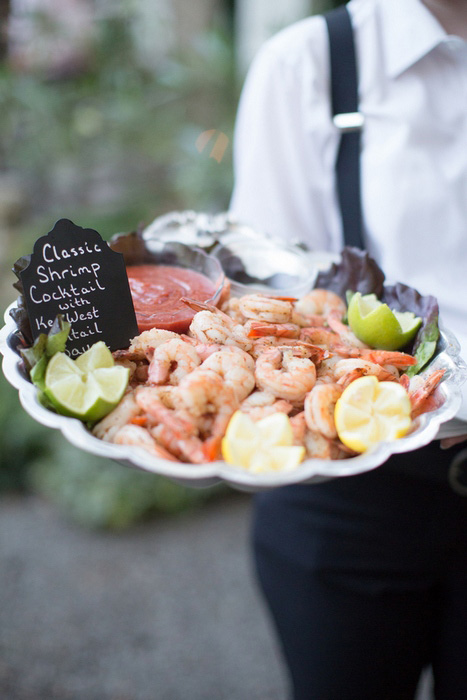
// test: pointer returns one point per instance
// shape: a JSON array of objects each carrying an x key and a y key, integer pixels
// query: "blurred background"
[{"x": 115, "y": 584}]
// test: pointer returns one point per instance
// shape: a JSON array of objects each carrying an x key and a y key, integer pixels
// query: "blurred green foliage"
[
  {"x": 109, "y": 147},
  {"x": 118, "y": 136},
  {"x": 99, "y": 493}
]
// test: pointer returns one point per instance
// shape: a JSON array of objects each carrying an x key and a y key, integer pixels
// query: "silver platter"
[{"x": 209, "y": 232}]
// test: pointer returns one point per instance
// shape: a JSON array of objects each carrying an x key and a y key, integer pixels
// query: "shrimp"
[
  {"x": 334, "y": 319},
  {"x": 142, "y": 345},
  {"x": 236, "y": 367},
  {"x": 286, "y": 376},
  {"x": 318, "y": 303},
  {"x": 346, "y": 370},
  {"x": 203, "y": 349},
  {"x": 400, "y": 360},
  {"x": 270, "y": 341},
  {"x": 260, "y": 404},
  {"x": 258, "y": 329},
  {"x": 325, "y": 370},
  {"x": 204, "y": 392},
  {"x": 260, "y": 307},
  {"x": 137, "y": 436},
  {"x": 122, "y": 414},
  {"x": 189, "y": 448},
  {"x": 172, "y": 361},
  {"x": 319, "y": 407},
  {"x": 157, "y": 411},
  {"x": 327, "y": 339},
  {"x": 319, "y": 447},
  {"x": 232, "y": 308},
  {"x": 299, "y": 428},
  {"x": 422, "y": 397},
  {"x": 211, "y": 325},
  {"x": 316, "y": 445}
]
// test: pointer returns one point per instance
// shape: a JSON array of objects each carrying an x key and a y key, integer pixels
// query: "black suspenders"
[{"x": 344, "y": 101}]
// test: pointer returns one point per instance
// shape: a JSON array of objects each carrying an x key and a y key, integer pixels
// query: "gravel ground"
[{"x": 165, "y": 611}]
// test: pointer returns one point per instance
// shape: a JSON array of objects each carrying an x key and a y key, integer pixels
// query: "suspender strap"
[{"x": 344, "y": 101}]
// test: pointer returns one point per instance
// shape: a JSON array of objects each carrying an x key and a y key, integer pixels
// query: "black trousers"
[{"x": 366, "y": 579}]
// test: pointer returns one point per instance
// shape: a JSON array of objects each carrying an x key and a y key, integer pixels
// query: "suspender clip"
[{"x": 351, "y": 121}]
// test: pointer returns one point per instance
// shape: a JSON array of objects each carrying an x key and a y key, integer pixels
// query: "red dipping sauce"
[{"x": 156, "y": 291}]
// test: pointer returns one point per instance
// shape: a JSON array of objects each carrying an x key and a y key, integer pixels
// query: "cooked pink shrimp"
[
  {"x": 422, "y": 396},
  {"x": 334, "y": 318},
  {"x": 286, "y": 376},
  {"x": 401, "y": 360},
  {"x": 326, "y": 339},
  {"x": 315, "y": 353},
  {"x": 260, "y": 307},
  {"x": 122, "y": 414},
  {"x": 232, "y": 308},
  {"x": 299, "y": 428},
  {"x": 319, "y": 407},
  {"x": 270, "y": 341},
  {"x": 236, "y": 367},
  {"x": 211, "y": 325},
  {"x": 325, "y": 370},
  {"x": 260, "y": 404},
  {"x": 319, "y": 447},
  {"x": 187, "y": 449},
  {"x": 202, "y": 392},
  {"x": 172, "y": 361},
  {"x": 143, "y": 344},
  {"x": 316, "y": 445},
  {"x": 318, "y": 303},
  {"x": 203, "y": 349},
  {"x": 178, "y": 420},
  {"x": 136, "y": 436},
  {"x": 347, "y": 370},
  {"x": 259, "y": 329}
]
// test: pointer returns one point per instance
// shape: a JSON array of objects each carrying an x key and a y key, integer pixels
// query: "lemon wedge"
[
  {"x": 369, "y": 411},
  {"x": 262, "y": 446}
]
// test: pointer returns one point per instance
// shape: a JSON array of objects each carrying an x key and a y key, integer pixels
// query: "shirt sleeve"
[{"x": 284, "y": 147}]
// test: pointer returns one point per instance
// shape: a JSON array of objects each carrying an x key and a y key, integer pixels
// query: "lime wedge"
[
  {"x": 85, "y": 394},
  {"x": 375, "y": 324},
  {"x": 97, "y": 356}
]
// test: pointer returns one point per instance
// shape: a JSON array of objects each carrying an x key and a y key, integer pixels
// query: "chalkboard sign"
[{"x": 74, "y": 272}]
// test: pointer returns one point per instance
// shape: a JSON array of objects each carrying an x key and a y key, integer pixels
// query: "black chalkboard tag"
[{"x": 74, "y": 272}]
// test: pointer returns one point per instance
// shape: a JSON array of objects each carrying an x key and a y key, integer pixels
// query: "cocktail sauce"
[{"x": 156, "y": 291}]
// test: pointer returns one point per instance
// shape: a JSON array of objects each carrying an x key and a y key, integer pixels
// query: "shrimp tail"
[
  {"x": 421, "y": 399},
  {"x": 279, "y": 330},
  {"x": 212, "y": 448}
]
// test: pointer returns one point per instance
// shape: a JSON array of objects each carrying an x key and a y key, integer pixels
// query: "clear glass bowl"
[
  {"x": 253, "y": 261},
  {"x": 255, "y": 265},
  {"x": 178, "y": 255}
]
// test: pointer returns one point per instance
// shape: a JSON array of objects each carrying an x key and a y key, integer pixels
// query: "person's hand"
[{"x": 446, "y": 443}]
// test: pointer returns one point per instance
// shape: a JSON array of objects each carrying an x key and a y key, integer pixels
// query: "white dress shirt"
[{"x": 413, "y": 95}]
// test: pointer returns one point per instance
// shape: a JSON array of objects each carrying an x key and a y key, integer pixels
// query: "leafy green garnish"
[{"x": 37, "y": 357}]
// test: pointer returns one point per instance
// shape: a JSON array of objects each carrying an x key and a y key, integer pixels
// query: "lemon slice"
[
  {"x": 369, "y": 411},
  {"x": 376, "y": 325},
  {"x": 88, "y": 394},
  {"x": 262, "y": 446},
  {"x": 276, "y": 459}
]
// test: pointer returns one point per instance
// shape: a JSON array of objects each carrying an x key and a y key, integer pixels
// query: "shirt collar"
[{"x": 409, "y": 33}]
